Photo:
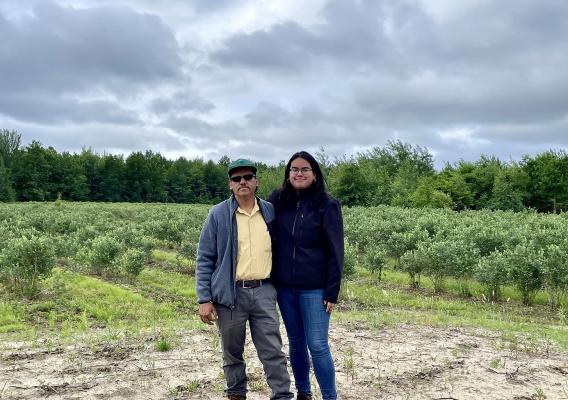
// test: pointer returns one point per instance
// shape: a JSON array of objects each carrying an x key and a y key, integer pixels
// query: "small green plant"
[
  {"x": 163, "y": 344},
  {"x": 539, "y": 394},
  {"x": 192, "y": 386},
  {"x": 497, "y": 362},
  {"x": 256, "y": 382},
  {"x": 348, "y": 363}
]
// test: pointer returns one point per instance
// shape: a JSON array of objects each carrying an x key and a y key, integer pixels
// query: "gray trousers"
[{"x": 258, "y": 307}]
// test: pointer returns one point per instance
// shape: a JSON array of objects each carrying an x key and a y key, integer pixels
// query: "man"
[{"x": 234, "y": 261}]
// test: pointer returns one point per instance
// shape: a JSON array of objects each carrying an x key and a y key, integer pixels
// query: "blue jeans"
[{"x": 307, "y": 326}]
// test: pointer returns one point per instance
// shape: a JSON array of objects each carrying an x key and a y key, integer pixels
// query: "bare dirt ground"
[{"x": 404, "y": 362}]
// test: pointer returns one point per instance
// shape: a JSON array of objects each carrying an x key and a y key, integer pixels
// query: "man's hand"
[{"x": 207, "y": 313}]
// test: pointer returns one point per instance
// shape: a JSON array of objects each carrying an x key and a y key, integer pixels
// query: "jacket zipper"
[{"x": 294, "y": 230}]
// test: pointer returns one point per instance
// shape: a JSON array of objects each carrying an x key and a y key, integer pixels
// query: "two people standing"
[{"x": 238, "y": 267}]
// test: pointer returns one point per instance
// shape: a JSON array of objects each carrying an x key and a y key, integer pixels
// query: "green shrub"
[
  {"x": 525, "y": 269},
  {"x": 492, "y": 272},
  {"x": 167, "y": 229},
  {"x": 555, "y": 274},
  {"x": 414, "y": 263},
  {"x": 26, "y": 260},
  {"x": 132, "y": 261},
  {"x": 375, "y": 259},
  {"x": 350, "y": 260},
  {"x": 188, "y": 245},
  {"x": 400, "y": 243},
  {"x": 103, "y": 253}
]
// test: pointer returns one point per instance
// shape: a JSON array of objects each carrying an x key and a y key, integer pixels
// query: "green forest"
[{"x": 397, "y": 174}]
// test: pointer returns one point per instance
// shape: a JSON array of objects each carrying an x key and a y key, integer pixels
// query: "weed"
[
  {"x": 539, "y": 394},
  {"x": 497, "y": 362},
  {"x": 111, "y": 336},
  {"x": 192, "y": 386},
  {"x": 215, "y": 340},
  {"x": 348, "y": 363},
  {"x": 83, "y": 322},
  {"x": 163, "y": 345},
  {"x": 257, "y": 383}
]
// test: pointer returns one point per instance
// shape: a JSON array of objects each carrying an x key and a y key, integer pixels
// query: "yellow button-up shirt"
[{"x": 254, "y": 248}]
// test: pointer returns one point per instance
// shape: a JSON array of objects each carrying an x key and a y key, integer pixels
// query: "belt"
[{"x": 254, "y": 283}]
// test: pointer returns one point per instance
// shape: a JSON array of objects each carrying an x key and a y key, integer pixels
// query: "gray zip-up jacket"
[{"x": 216, "y": 263}]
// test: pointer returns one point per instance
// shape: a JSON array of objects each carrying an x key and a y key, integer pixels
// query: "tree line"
[{"x": 398, "y": 174}]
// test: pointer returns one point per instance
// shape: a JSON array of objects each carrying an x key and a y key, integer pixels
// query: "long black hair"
[{"x": 287, "y": 194}]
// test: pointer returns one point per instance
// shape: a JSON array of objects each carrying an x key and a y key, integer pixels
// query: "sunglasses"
[{"x": 247, "y": 177}]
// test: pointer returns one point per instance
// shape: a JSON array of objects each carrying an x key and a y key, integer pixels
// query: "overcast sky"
[{"x": 266, "y": 78}]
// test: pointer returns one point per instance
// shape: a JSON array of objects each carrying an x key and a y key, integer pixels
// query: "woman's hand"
[{"x": 328, "y": 306}]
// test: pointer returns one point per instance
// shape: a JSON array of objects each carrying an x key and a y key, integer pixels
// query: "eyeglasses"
[
  {"x": 295, "y": 170},
  {"x": 247, "y": 177}
]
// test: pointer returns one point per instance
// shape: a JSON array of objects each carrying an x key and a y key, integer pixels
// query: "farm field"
[{"x": 98, "y": 301}]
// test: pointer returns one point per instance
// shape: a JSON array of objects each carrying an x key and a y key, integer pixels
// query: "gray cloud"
[
  {"x": 397, "y": 72},
  {"x": 486, "y": 79},
  {"x": 181, "y": 101},
  {"x": 45, "y": 110},
  {"x": 82, "y": 65},
  {"x": 69, "y": 49}
]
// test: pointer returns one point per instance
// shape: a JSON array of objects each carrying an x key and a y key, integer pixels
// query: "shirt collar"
[{"x": 254, "y": 209}]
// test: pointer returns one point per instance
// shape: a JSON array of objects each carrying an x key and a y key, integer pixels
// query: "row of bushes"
[
  {"x": 101, "y": 239},
  {"x": 526, "y": 250}
]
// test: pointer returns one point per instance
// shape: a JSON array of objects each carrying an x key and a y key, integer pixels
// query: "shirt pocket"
[{"x": 266, "y": 241}]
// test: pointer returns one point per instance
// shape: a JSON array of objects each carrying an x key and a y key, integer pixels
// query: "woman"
[{"x": 307, "y": 266}]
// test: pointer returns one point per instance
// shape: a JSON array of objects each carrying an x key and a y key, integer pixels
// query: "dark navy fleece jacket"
[{"x": 307, "y": 250}]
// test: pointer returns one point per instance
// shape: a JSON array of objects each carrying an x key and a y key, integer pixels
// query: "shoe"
[
  {"x": 235, "y": 397},
  {"x": 303, "y": 396}
]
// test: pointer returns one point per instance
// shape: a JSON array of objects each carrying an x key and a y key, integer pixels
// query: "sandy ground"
[{"x": 404, "y": 362}]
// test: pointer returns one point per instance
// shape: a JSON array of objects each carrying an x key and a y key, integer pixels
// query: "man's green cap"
[{"x": 242, "y": 163}]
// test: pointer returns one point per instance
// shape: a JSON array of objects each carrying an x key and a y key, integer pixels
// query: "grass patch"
[
  {"x": 172, "y": 260},
  {"x": 72, "y": 303},
  {"x": 381, "y": 304},
  {"x": 163, "y": 256},
  {"x": 172, "y": 283},
  {"x": 83, "y": 301},
  {"x": 11, "y": 318},
  {"x": 451, "y": 286}
]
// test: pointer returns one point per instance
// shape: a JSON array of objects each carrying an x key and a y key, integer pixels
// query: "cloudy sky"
[{"x": 265, "y": 78}]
